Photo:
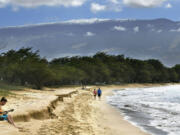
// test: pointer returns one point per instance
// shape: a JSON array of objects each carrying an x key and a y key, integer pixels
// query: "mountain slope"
[{"x": 144, "y": 39}]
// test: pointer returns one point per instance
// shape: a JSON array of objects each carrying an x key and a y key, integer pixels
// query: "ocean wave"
[{"x": 159, "y": 105}]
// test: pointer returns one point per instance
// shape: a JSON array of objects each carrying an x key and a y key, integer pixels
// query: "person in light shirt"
[{"x": 3, "y": 114}]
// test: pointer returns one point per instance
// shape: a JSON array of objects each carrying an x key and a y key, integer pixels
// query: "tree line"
[{"x": 27, "y": 67}]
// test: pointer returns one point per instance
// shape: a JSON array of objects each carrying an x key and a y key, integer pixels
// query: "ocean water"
[{"x": 155, "y": 110}]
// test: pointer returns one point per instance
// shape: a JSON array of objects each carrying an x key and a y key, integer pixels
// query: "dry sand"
[{"x": 68, "y": 111}]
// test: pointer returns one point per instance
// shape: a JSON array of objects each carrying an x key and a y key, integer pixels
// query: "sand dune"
[
  {"x": 73, "y": 117},
  {"x": 64, "y": 113},
  {"x": 33, "y": 108}
]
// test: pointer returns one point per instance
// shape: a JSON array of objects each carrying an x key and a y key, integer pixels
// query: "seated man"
[{"x": 3, "y": 114}]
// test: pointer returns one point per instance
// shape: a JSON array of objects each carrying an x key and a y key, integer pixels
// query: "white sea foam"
[{"x": 161, "y": 106}]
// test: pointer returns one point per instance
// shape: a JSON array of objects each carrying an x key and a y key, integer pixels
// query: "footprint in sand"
[{"x": 23, "y": 130}]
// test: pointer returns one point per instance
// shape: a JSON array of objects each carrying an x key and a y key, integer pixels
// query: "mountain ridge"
[{"x": 144, "y": 39}]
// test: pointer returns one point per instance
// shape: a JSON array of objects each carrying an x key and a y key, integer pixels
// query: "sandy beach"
[{"x": 66, "y": 111}]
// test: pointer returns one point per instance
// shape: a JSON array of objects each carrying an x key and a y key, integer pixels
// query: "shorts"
[
  {"x": 4, "y": 117},
  {"x": 99, "y": 95}
]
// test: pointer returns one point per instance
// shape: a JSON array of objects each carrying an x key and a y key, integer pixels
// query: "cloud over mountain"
[
  {"x": 89, "y": 34},
  {"x": 119, "y": 28},
  {"x": 136, "y": 29},
  {"x": 143, "y": 3}
]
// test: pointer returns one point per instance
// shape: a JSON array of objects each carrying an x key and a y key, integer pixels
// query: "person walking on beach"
[
  {"x": 99, "y": 93},
  {"x": 3, "y": 114},
  {"x": 95, "y": 93}
]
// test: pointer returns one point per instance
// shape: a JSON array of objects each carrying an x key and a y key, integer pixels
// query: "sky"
[{"x": 25, "y": 12}]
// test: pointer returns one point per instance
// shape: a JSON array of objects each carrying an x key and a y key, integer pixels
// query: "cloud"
[
  {"x": 89, "y": 34},
  {"x": 168, "y": 5},
  {"x": 108, "y": 50},
  {"x": 116, "y": 7},
  {"x": 114, "y": 1},
  {"x": 112, "y": 5},
  {"x": 109, "y": 5},
  {"x": 175, "y": 30},
  {"x": 75, "y": 21},
  {"x": 86, "y": 21},
  {"x": 95, "y": 7},
  {"x": 175, "y": 43},
  {"x": 150, "y": 25},
  {"x": 136, "y": 29},
  {"x": 78, "y": 46},
  {"x": 37, "y": 3},
  {"x": 119, "y": 28},
  {"x": 143, "y": 3},
  {"x": 159, "y": 31}
]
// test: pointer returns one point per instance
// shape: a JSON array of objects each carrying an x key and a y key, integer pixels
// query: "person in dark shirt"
[{"x": 99, "y": 92}]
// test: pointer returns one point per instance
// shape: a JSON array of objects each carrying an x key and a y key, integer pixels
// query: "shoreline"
[
  {"x": 113, "y": 118},
  {"x": 113, "y": 114},
  {"x": 77, "y": 113}
]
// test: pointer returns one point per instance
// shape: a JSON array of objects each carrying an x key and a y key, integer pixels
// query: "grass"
[
  {"x": 5, "y": 93},
  {"x": 6, "y": 89},
  {"x": 64, "y": 86}
]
